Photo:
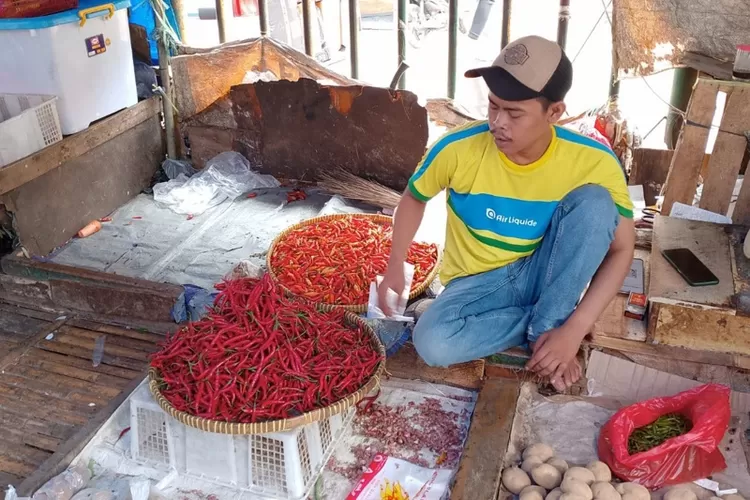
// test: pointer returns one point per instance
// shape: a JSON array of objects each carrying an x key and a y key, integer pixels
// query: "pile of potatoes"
[{"x": 553, "y": 479}]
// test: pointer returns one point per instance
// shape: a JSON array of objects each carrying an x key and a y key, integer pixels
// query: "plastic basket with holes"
[
  {"x": 28, "y": 123},
  {"x": 282, "y": 465}
]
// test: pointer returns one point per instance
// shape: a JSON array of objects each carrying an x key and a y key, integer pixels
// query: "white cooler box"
[{"x": 81, "y": 56}]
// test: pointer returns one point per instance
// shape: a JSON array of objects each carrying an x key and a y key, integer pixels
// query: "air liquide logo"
[{"x": 509, "y": 220}]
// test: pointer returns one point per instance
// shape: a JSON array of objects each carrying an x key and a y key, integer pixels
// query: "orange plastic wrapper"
[{"x": 682, "y": 459}]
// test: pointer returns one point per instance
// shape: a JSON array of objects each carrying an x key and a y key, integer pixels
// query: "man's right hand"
[{"x": 393, "y": 280}]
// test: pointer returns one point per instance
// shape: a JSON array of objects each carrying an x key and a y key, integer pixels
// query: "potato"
[
  {"x": 580, "y": 474},
  {"x": 733, "y": 497},
  {"x": 680, "y": 493},
  {"x": 554, "y": 494},
  {"x": 559, "y": 464},
  {"x": 546, "y": 476},
  {"x": 532, "y": 493},
  {"x": 715, "y": 498},
  {"x": 603, "y": 490},
  {"x": 571, "y": 496},
  {"x": 540, "y": 450},
  {"x": 576, "y": 487},
  {"x": 600, "y": 470},
  {"x": 515, "y": 480},
  {"x": 633, "y": 491},
  {"x": 531, "y": 463}
]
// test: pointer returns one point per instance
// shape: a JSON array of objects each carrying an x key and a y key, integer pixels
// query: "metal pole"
[
  {"x": 263, "y": 15},
  {"x": 222, "y": 20},
  {"x": 562, "y": 23},
  {"x": 682, "y": 87},
  {"x": 353, "y": 37},
  {"x": 452, "y": 44},
  {"x": 505, "y": 34},
  {"x": 179, "y": 13},
  {"x": 307, "y": 26},
  {"x": 402, "y": 26},
  {"x": 166, "y": 84}
]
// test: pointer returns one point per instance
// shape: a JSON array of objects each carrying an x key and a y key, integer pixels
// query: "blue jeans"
[{"x": 486, "y": 313}]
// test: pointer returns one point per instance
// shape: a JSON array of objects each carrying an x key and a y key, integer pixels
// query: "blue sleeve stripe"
[
  {"x": 447, "y": 141},
  {"x": 570, "y": 136}
]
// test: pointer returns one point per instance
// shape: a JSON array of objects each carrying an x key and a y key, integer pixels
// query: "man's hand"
[
  {"x": 553, "y": 352},
  {"x": 393, "y": 280}
]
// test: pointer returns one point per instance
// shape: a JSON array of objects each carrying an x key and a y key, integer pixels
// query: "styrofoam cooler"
[{"x": 82, "y": 56}]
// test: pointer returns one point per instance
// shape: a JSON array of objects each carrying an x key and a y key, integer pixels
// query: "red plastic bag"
[{"x": 682, "y": 459}]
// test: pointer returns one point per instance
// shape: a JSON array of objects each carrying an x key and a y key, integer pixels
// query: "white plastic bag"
[
  {"x": 385, "y": 472},
  {"x": 395, "y": 302},
  {"x": 226, "y": 176},
  {"x": 64, "y": 485}
]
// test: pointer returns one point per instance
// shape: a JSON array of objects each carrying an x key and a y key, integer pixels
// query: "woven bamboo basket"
[
  {"x": 357, "y": 308},
  {"x": 284, "y": 424}
]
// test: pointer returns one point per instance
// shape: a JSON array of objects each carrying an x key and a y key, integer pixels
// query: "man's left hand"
[{"x": 553, "y": 352}]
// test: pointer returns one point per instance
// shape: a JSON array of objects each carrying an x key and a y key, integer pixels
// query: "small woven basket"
[
  {"x": 357, "y": 308},
  {"x": 287, "y": 424}
]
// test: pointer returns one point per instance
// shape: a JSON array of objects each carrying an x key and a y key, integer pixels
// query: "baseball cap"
[{"x": 528, "y": 68}]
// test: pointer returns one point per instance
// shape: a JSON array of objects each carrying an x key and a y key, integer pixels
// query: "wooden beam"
[
  {"x": 650, "y": 169},
  {"x": 407, "y": 364},
  {"x": 481, "y": 464},
  {"x": 672, "y": 352},
  {"x": 728, "y": 153},
  {"x": 27, "y": 169},
  {"x": 705, "y": 64},
  {"x": 682, "y": 179}
]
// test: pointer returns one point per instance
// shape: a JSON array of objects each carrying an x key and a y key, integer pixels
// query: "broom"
[{"x": 350, "y": 186}]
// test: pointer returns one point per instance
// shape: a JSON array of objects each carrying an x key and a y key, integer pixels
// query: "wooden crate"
[{"x": 726, "y": 159}]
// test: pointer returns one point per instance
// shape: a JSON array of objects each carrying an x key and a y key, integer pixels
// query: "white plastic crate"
[
  {"x": 28, "y": 123},
  {"x": 282, "y": 465}
]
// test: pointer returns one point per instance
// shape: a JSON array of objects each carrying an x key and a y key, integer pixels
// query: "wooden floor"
[{"x": 52, "y": 398}]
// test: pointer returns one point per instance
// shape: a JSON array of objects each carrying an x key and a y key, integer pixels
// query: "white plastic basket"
[
  {"x": 28, "y": 123},
  {"x": 282, "y": 465}
]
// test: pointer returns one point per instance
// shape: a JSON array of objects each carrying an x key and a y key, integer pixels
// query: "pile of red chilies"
[
  {"x": 260, "y": 355},
  {"x": 334, "y": 261}
]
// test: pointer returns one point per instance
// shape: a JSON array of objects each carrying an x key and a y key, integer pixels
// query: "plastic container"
[
  {"x": 28, "y": 123},
  {"x": 282, "y": 465},
  {"x": 82, "y": 56},
  {"x": 34, "y": 8}
]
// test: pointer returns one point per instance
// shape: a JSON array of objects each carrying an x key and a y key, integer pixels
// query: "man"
[{"x": 535, "y": 213}]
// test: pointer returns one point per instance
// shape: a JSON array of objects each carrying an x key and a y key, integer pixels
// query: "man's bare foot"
[{"x": 570, "y": 376}]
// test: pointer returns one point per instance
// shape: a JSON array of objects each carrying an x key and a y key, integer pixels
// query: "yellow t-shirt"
[{"x": 498, "y": 211}]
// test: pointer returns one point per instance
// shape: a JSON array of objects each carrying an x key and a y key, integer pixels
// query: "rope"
[{"x": 163, "y": 30}]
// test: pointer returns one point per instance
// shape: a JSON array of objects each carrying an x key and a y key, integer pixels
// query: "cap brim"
[{"x": 503, "y": 84}]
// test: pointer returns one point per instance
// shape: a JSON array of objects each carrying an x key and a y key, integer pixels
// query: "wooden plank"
[
  {"x": 15, "y": 467},
  {"x": 28, "y": 423},
  {"x": 481, "y": 464},
  {"x": 649, "y": 169},
  {"x": 407, "y": 364},
  {"x": 138, "y": 334},
  {"x": 699, "y": 329},
  {"x": 85, "y": 188},
  {"x": 115, "y": 351},
  {"x": 672, "y": 352},
  {"x": 88, "y": 375},
  {"x": 741, "y": 213},
  {"x": 612, "y": 322},
  {"x": 728, "y": 153},
  {"x": 31, "y": 404},
  {"x": 710, "y": 243},
  {"x": 9, "y": 479},
  {"x": 84, "y": 353},
  {"x": 73, "y": 446},
  {"x": 71, "y": 383},
  {"x": 32, "y": 394},
  {"x": 83, "y": 363},
  {"x": 682, "y": 179},
  {"x": 13, "y": 356},
  {"x": 721, "y": 70},
  {"x": 112, "y": 339},
  {"x": 53, "y": 389},
  {"x": 27, "y": 169}
]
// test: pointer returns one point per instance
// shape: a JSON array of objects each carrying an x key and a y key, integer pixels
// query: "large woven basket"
[
  {"x": 357, "y": 308},
  {"x": 277, "y": 425}
]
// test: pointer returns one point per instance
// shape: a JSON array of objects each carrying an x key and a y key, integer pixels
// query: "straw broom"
[{"x": 350, "y": 186}]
